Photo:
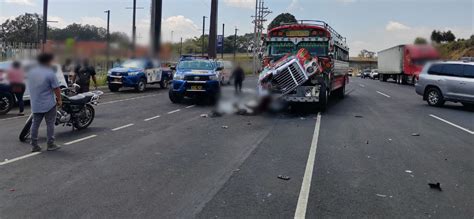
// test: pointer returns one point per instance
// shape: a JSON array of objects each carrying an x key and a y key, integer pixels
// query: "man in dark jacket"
[
  {"x": 82, "y": 76},
  {"x": 239, "y": 77}
]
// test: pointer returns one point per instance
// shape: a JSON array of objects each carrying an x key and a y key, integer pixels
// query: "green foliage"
[
  {"x": 456, "y": 49},
  {"x": 23, "y": 28},
  {"x": 420, "y": 41},
  {"x": 440, "y": 37},
  {"x": 282, "y": 18}
]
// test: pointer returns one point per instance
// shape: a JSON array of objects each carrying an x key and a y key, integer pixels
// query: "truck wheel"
[
  {"x": 434, "y": 97},
  {"x": 323, "y": 98},
  {"x": 174, "y": 97},
  {"x": 114, "y": 88},
  {"x": 341, "y": 92},
  {"x": 414, "y": 80},
  {"x": 141, "y": 86}
]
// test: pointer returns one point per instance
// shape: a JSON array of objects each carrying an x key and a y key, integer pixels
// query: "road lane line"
[
  {"x": 15, "y": 117},
  {"x": 361, "y": 85},
  {"x": 134, "y": 98},
  {"x": 174, "y": 111},
  {"x": 308, "y": 173},
  {"x": 452, "y": 124},
  {"x": 19, "y": 158},
  {"x": 188, "y": 107},
  {"x": 152, "y": 118},
  {"x": 383, "y": 94},
  {"x": 122, "y": 127},
  {"x": 80, "y": 139}
]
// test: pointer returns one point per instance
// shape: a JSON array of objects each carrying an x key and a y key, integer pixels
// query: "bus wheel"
[{"x": 323, "y": 98}]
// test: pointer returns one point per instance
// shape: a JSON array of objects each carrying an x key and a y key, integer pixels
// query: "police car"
[
  {"x": 138, "y": 73},
  {"x": 195, "y": 77}
]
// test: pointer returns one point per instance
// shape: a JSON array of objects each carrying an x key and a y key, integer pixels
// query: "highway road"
[{"x": 371, "y": 154}]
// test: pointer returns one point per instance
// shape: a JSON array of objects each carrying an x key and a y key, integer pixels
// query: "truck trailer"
[{"x": 404, "y": 63}]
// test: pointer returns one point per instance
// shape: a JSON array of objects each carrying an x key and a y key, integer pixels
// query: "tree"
[
  {"x": 21, "y": 29},
  {"x": 282, "y": 18},
  {"x": 448, "y": 36},
  {"x": 420, "y": 41},
  {"x": 366, "y": 54},
  {"x": 439, "y": 36},
  {"x": 436, "y": 36}
]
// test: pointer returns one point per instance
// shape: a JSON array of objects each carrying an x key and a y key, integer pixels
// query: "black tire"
[
  {"x": 323, "y": 98},
  {"x": 6, "y": 103},
  {"x": 141, "y": 86},
  {"x": 175, "y": 98},
  {"x": 469, "y": 106},
  {"x": 114, "y": 88},
  {"x": 434, "y": 97},
  {"x": 341, "y": 92},
  {"x": 25, "y": 132},
  {"x": 79, "y": 124}
]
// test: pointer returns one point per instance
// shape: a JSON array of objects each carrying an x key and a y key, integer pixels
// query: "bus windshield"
[
  {"x": 280, "y": 49},
  {"x": 315, "y": 48}
]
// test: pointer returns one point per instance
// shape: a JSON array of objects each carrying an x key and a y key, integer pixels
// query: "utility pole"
[
  {"x": 45, "y": 23},
  {"x": 255, "y": 38},
  {"x": 213, "y": 31},
  {"x": 260, "y": 13},
  {"x": 156, "y": 11},
  {"x": 108, "y": 39},
  {"x": 134, "y": 27},
  {"x": 203, "y": 32},
  {"x": 181, "y": 47},
  {"x": 223, "y": 40},
  {"x": 235, "y": 42}
]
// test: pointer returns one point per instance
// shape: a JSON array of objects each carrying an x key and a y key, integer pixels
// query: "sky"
[{"x": 367, "y": 24}]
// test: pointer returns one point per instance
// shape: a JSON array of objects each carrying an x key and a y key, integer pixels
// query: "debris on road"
[
  {"x": 225, "y": 127},
  {"x": 389, "y": 139},
  {"x": 367, "y": 142},
  {"x": 380, "y": 195},
  {"x": 283, "y": 177},
  {"x": 204, "y": 115},
  {"x": 358, "y": 116},
  {"x": 408, "y": 171},
  {"x": 249, "y": 123},
  {"x": 302, "y": 118},
  {"x": 415, "y": 134},
  {"x": 236, "y": 170},
  {"x": 435, "y": 186},
  {"x": 12, "y": 190}
]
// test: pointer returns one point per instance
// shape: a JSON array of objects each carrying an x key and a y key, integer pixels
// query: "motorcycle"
[
  {"x": 77, "y": 110},
  {"x": 6, "y": 99}
]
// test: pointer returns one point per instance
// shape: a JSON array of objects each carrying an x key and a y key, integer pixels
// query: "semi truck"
[{"x": 404, "y": 63}]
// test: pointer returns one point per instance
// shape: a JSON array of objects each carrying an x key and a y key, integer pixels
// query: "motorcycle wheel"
[
  {"x": 6, "y": 103},
  {"x": 86, "y": 121},
  {"x": 25, "y": 132}
]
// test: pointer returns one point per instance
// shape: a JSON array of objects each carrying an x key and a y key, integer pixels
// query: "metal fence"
[{"x": 14, "y": 50}]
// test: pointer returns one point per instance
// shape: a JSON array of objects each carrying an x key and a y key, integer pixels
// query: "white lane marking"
[
  {"x": 174, "y": 111},
  {"x": 383, "y": 94},
  {"x": 361, "y": 85},
  {"x": 134, "y": 98},
  {"x": 152, "y": 118},
  {"x": 450, "y": 123},
  {"x": 122, "y": 127},
  {"x": 80, "y": 139},
  {"x": 16, "y": 117},
  {"x": 308, "y": 173},
  {"x": 19, "y": 158},
  {"x": 188, "y": 107}
]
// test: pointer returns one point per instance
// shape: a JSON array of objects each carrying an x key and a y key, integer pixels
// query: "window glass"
[
  {"x": 453, "y": 70},
  {"x": 435, "y": 69},
  {"x": 469, "y": 71}
]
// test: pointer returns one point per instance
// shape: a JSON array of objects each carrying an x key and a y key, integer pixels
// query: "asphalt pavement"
[{"x": 371, "y": 154}]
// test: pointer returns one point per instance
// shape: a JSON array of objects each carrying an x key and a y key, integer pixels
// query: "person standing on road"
[
  {"x": 16, "y": 77},
  {"x": 82, "y": 76},
  {"x": 239, "y": 77},
  {"x": 68, "y": 69},
  {"x": 45, "y": 94}
]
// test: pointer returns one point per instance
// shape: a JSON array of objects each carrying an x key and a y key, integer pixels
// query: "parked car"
[
  {"x": 195, "y": 77},
  {"x": 138, "y": 73},
  {"x": 374, "y": 74},
  {"x": 226, "y": 72},
  {"x": 365, "y": 73},
  {"x": 447, "y": 81}
]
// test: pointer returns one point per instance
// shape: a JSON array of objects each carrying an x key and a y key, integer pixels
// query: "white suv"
[{"x": 447, "y": 81}]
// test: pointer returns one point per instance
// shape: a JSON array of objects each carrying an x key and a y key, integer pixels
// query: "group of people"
[{"x": 45, "y": 92}]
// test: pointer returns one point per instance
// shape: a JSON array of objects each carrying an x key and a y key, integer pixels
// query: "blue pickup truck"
[
  {"x": 138, "y": 73},
  {"x": 195, "y": 77}
]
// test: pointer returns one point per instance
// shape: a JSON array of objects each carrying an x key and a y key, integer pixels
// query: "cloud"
[
  {"x": 248, "y": 4},
  {"x": 295, "y": 6},
  {"x": 21, "y": 2},
  {"x": 96, "y": 21},
  {"x": 396, "y": 26},
  {"x": 181, "y": 27},
  {"x": 346, "y": 1}
]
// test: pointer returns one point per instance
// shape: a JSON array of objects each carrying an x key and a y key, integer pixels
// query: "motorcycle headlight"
[
  {"x": 178, "y": 77},
  {"x": 213, "y": 77}
]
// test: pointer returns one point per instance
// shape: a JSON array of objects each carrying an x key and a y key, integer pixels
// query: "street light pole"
[
  {"x": 108, "y": 39},
  {"x": 203, "y": 32},
  {"x": 45, "y": 23},
  {"x": 212, "y": 51},
  {"x": 156, "y": 7},
  {"x": 134, "y": 28},
  {"x": 235, "y": 42},
  {"x": 223, "y": 40}
]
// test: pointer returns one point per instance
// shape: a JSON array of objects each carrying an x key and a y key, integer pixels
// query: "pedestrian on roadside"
[
  {"x": 82, "y": 76},
  {"x": 68, "y": 70},
  {"x": 45, "y": 95},
  {"x": 16, "y": 77},
  {"x": 239, "y": 76}
]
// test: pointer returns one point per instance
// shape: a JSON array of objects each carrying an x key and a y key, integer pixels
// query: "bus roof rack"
[{"x": 319, "y": 24}]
